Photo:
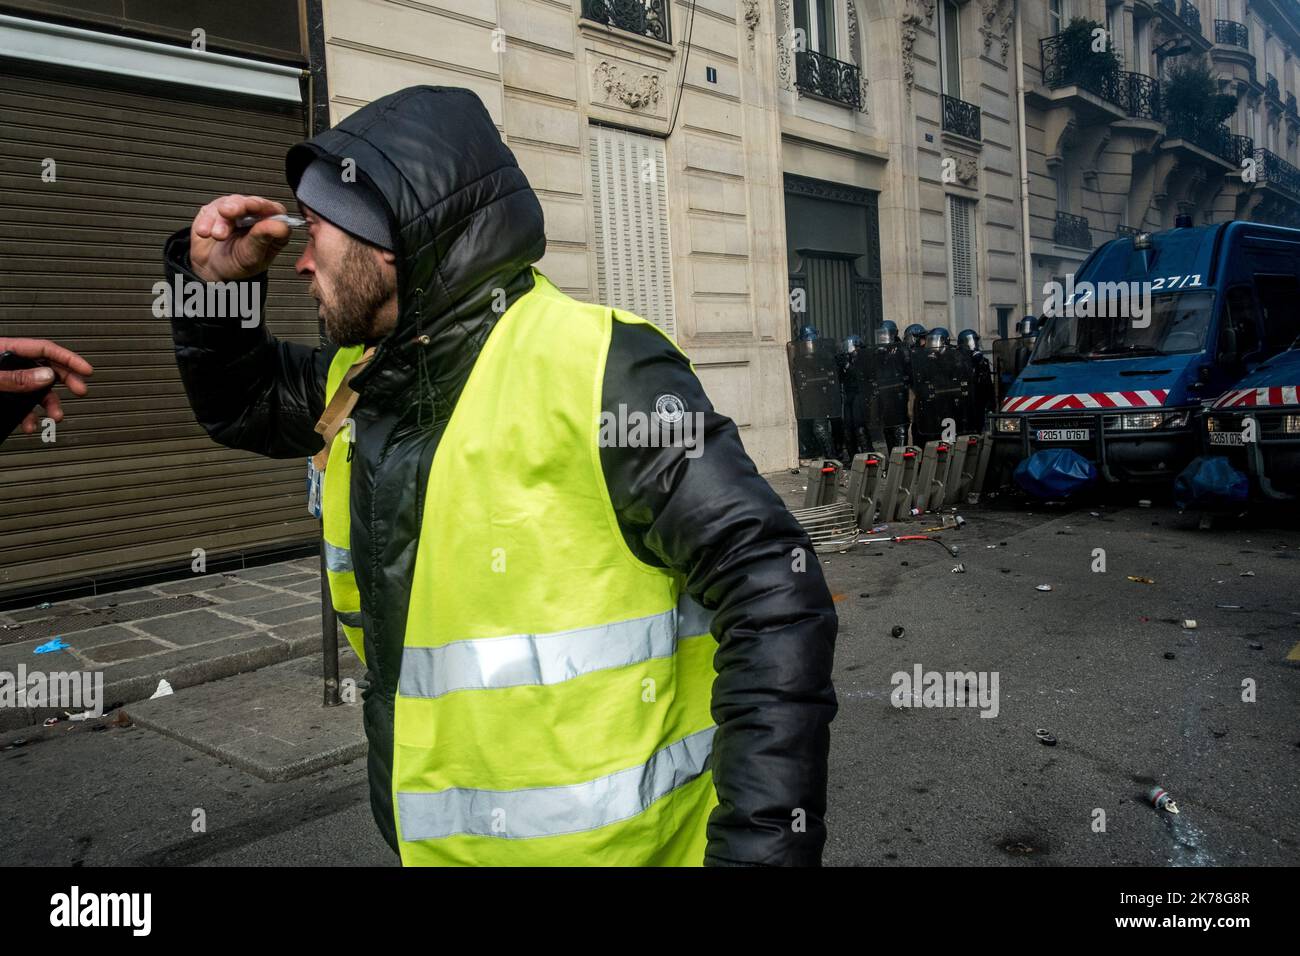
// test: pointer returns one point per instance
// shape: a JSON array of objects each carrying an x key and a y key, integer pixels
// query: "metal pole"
[{"x": 329, "y": 634}]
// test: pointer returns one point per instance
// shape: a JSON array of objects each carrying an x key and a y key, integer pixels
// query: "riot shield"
[
  {"x": 891, "y": 368},
  {"x": 1005, "y": 368},
  {"x": 814, "y": 379}
]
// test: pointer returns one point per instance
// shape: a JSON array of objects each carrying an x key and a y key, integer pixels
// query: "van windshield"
[{"x": 1178, "y": 324}]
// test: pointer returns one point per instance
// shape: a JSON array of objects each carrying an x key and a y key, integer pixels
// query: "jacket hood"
[{"x": 464, "y": 221}]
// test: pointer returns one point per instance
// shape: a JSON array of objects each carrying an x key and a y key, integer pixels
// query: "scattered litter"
[
  {"x": 1161, "y": 800},
  {"x": 1045, "y": 737},
  {"x": 1169, "y": 655},
  {"x": 959, "y": 569},
  {"x": 1095, "y": 514},
  {"x": 1042, "y": 587},
  {"x": 51, "y": 721},
  {"x": 163, "y": 690},
  {"x": 1228, "y": 607},
  {"x": 794, "y": 471},
  {"x": 1189, "y": 625},
  {"x": 43, "y": 605},
  {"x": 1246, "y": 574},
  {"x": 897, "y": 631},
  {"x": 990, "y": 547},
  {"x": 1144, "y": 502},
  {"x": 1137, "y": 579},
  {"x": 961, "y": 522},
  {"x": 84, "y": 715},
  {"x": 49, "y": 647},
  {"x": 1256, "y": 646},
  {"x": 864, "y": 594}
]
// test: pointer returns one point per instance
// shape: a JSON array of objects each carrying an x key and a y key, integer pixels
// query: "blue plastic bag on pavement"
[
  {"x": 1210, "y": 483},
  {"x": 1055, "y": 473}
]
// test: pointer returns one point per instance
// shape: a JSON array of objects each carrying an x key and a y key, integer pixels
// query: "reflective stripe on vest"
[
  {"x": 336, "y": 518},
  {"x": 553, "y": 811},
  {"x": 520, "y": 659},
  {"x": 338, "y": 560}
]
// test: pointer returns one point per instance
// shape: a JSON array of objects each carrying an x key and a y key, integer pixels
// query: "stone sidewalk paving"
[{"x": 187, "y": 631}]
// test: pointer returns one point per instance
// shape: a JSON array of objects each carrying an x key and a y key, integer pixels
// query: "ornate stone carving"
[
  {"x": 916, "y": 13},
  {"x": 751, "y": 20},
  {"x": 968, "y": 170},
  {"x": 855, "y": 51},
  {"x": 997, "y": 22},
  {"x": 635, "y": 92},
  {"x": 784, "y": 60}
]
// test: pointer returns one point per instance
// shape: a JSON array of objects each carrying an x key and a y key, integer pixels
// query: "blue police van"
[
  {"x": 1256, "y": 426},
  {"x": 1153, "y": 327}
]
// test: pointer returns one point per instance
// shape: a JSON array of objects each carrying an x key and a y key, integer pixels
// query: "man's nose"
[{"x": 306, "y": 265}]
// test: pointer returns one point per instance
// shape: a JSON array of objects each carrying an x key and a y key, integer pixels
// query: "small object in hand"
[
  {"x": 247, "y": 222},
  {"x": 1161, "y": 800},
  {"x": 1045, "y": 737}
]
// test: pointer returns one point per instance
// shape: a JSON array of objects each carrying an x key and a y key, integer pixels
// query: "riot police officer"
[
  {"x": 815, "y": 383},
  {"x": 1010, "y": 356},
  {"x": 891, "y": 379},
  {"x": 979, "y": 398},
  {"x": 937, "y": 383},
  {"x": 855, "y": 378}
]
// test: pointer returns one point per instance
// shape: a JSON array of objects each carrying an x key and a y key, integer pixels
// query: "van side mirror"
[{"x": 1203, "y": 372}]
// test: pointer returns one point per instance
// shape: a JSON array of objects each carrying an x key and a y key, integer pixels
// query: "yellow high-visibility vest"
[{"x": 553, "y": 702}]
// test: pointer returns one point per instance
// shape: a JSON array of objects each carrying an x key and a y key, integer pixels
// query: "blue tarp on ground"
[
  {"x": 1055, "y": 473},
  {"x": 1210, "y": 483}
]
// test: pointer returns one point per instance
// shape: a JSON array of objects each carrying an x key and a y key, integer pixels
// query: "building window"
[
  {"x": 961, "y": 260},
  {"x": 1057, "y": 15},
  {"x": 630, "y": 202},
  {"x": 1062, "y": 188},
  {"x": 817, "y": 20},
  {"x": 950, "y": 47}
]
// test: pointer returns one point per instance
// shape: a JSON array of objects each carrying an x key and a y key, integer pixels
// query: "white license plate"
[
  {"x": 1063, "y": 434},
  {"x": 1226, "y": 438}
]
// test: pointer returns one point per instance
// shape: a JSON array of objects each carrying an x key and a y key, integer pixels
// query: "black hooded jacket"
[{"x": 466, "y": 223}]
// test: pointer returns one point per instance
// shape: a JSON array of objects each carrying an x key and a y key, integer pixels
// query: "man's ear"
[{"x": 389, "y": 257}]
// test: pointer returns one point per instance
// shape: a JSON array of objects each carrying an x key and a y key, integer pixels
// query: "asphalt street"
[{"x": 1101, "y": 662}]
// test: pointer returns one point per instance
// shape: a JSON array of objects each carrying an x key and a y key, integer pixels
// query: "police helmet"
[
  {"x": 937, "y": 338},
  {"x": 915, "y": 333},
  {"x": 887, "y": 333},
  {"x": 969, "y": 339},
  {"x": 808, "y": 334},
  {"x": 852, "y": 343},
  {"x": 1027, "y": 326}
]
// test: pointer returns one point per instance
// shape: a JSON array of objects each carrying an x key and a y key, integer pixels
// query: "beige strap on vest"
[{"x": 338, "y": 410}]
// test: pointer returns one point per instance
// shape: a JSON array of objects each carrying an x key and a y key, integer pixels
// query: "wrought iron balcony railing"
[
  {"x": 822, "y": 75},
  {"x": 1144, "y": 97},
  {"x": 1271, "y": 87},
  {"x": 1276, "y": 171},
  {"x": 1072, "y": 231},
  {"x": 1232, "y": 33},
  {"x": 960, "y": 117},
  {"x": 1217, "y": 140},
  {"x": 648, "y": 18},
  {"x": 1064, "y": 65},
  {"x": 1190, "y": 15}
]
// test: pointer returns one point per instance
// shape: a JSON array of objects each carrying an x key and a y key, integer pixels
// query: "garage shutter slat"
[{"x": 132, "y": 479}]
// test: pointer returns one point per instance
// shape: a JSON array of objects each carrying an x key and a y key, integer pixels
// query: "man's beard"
[{"x": 360, "y": 288}]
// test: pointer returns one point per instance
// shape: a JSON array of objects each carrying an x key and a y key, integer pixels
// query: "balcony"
[
  {"x": 1271, "y": 87},
  {"x": 1216, "y": 140},
  {"x": 817, "y": 74},
  {"x": 1231, "y": 33},
  {"x": 1170, "y": 5},
  {"x": 1190, "y": 15},
  {"x": 1063, "y": 67},
  {"x": 960, "y": 117},
  {"x": 1143, "y": 97},
  {"x": 647, "y": 18},
  {"x": 1275, "y": 171},
  {"x": 1072, "y": 231}
]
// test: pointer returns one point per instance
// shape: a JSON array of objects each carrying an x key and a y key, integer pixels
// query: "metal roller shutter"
[{"x": 131, "y": 480}]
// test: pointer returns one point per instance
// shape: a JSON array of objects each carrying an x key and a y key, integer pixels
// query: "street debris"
[
  {"x": 1045, "y": 737},
  {"x": 1189, "y": 625},
  {"x": 1144, "y": 502},
  {"x": 1246, "y": 574},
  {"x": 1161, "y": 800},
  {"x": 163, "y": 690},
  {"x": 1228, "y": 607},
  {"x": 51, "y": 721},
  {"x": 43, "y": 605},
  {"x": 1169, "y": 655},
  {"x": 49, "y": 647},
  {"x": 959, "y": 569},
  {"x": 84, "y": 715},
  {"x": 1255, "y": 646},
  {"x": 897, "y": 631},
  {"x": 1138, "y": 579},
  {"x": 1042, "y": 587}
]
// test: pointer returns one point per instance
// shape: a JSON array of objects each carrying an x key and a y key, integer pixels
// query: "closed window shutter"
[
  {"x": 630, "y": 197},
  {"x": 962, "y": 246}
]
